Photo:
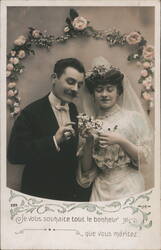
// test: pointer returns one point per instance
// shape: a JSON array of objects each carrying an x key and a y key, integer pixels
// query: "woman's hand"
[
  {"x": 109, "y": 138},
  {"x": 87, "y": 134}
]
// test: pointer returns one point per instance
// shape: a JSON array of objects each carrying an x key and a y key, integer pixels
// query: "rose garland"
[{"x": 78, "y": 26}]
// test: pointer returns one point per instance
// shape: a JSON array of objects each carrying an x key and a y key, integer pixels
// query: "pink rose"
[
  {"x": 79, "y": 23},
  {"x": 148, "y": 52},
  {"x": 8, "y": 73},
  {"x": 147, "y": 96},
  {"x": 10, "y": 93},
  {"x": 147, "y": 84},
  {"x": 66, "y": 29},
  {"x": 144, "y": 73},
  {"x": 21, "y": 54},
  {"x": 146, "y": 65},
  {"x": 10, "y": 66},
  {"x": 13, "y": 52},
  {"x": 36, "y": 33},
  {"x": 133, "y": 38},
  {"x": 11, "y": 85},
  {"x": 20, "y": 41}
]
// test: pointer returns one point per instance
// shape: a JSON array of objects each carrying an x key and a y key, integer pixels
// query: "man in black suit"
[{"x": 44, "y": 138}]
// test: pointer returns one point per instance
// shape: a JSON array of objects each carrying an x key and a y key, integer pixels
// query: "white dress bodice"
[{"x": 114, "y": 174}]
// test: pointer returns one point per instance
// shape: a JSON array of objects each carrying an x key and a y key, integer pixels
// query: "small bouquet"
[{"x": 88, "y": 125}]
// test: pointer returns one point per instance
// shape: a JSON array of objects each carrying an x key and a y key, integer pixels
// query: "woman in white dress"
[{"x": 113, "y": 159}]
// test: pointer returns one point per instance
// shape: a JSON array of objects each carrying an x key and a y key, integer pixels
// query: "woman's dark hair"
[
  {"x": 113, "y": 77},
  {"x": 62, "y": 64}
]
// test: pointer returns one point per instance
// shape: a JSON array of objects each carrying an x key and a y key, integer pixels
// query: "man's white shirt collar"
[{"x": 56, "y": 102}]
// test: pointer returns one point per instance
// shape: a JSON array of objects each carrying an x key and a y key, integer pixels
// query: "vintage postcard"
[{"x": 80, "y": 124}]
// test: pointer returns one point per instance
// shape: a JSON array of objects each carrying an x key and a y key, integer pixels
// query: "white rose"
[
  {"x": 9, "y": 102},
  {"x": 36, "y": 33},
  {"x": 16, "y": 104},
  {"x": 8, "y": 73},
  {"x": 149, "y": 78},
  {"x": 15, "y": 60},
  {"x": 147, "y": 84},
  {"x": 11, "y": 85},
  {"x": 148, "y": 52},
  {"x": 20, "y": 41},
  {"x": 144, "y": 73},
  {"x": 11, "y": 60},
  {"x": 133, "y": 38},
  {"x": 135, "y": 56},
  {"x": 13, "y": 52},
  {"x": 79, "y": 23},
  {"x": 21, "y": 54},
  {"x": 16, "y": 110},
  {"x": 10, "y": 66}
]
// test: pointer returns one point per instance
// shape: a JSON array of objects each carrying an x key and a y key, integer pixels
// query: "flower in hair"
[{"x": 99, "y": 71}]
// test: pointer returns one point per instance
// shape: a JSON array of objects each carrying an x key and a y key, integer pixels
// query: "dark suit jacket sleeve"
[{"x": 23, "y": 148}]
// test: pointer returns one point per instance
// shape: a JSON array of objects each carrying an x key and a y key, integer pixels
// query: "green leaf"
[{"x": 73, "y": 14}]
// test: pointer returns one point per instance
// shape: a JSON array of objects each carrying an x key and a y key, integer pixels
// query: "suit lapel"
[{"x": 50, "y": 118}]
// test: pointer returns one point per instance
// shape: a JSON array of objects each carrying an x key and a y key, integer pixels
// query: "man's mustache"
[
  {"x": 72, "y": 93},
  {"x": 105, "y": 99}
]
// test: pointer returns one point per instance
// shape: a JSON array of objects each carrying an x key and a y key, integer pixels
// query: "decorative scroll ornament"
[{"x": 137, "y": 205}]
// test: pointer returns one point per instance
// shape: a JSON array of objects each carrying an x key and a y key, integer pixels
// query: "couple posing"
[{"x": 61, "y": 165}]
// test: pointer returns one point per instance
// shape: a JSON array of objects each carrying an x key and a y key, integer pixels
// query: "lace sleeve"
[
  {"x": 144, "y": 140},
  {"x": 85, "y": 179}
]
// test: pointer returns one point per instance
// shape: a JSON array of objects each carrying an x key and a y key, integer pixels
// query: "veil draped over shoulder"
[{"x": 127, "y": 101}]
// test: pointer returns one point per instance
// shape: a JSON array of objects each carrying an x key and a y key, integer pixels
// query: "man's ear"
[
  {"x": 53, "y": 79},
  {"x": 54, "y": 76}
]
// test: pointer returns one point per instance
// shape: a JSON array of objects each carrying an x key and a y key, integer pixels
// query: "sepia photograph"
[{"x": 36, "y": 166}]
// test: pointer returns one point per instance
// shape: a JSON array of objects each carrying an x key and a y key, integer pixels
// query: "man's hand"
[{"x": 64, "y": 133}]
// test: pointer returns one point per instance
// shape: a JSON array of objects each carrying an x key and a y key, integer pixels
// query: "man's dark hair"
[
  {"x": 62, "y": 64},
  {"x": 113, "y": 77}
]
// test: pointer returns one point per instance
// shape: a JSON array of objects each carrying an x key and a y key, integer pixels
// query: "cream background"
[{"x": 35, "y": 81}]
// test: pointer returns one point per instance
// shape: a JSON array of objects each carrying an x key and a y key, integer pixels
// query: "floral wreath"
[{"x": 78, "y": 26}]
